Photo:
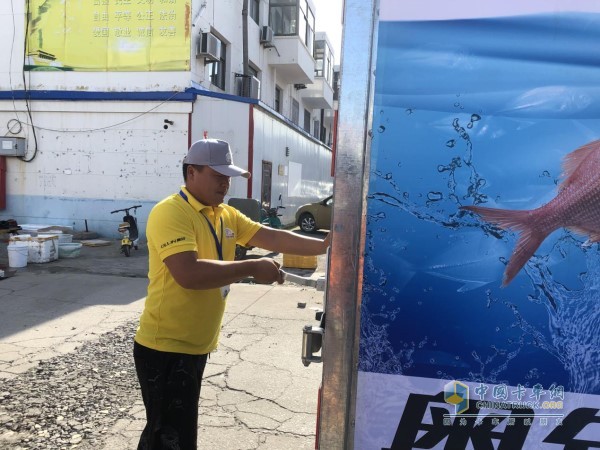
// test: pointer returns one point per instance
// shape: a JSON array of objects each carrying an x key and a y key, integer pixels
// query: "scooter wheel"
[{"x": 126, "y": 250}]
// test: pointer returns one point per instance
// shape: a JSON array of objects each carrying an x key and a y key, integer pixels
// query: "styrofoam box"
[
  {"x": 43, "y": 248},
  {"x": 19, "y": 237}
]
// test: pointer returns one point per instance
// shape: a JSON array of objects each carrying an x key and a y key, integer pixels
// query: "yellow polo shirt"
[{"x": 187, "y": 320}]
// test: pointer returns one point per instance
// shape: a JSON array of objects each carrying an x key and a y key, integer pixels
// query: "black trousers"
[{"x": 170, "y": 384}]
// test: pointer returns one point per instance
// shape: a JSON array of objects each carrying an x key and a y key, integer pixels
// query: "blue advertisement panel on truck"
[{"x": 479, "y": 302}]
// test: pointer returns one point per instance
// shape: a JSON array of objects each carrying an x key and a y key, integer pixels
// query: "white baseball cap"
[{"x": 216, "y": 154}]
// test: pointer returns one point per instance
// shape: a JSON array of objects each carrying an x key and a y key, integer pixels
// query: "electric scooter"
[
  {"x": 129, "y": 230},
  {"x": 252, "y": 209},
  {"x": 271, "y": 217}
]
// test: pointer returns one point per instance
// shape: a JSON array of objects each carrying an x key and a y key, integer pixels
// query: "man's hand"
[{"x": 266, "y": 271}]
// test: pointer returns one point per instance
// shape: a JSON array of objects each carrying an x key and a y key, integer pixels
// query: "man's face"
[{"x": 207, "y": 185}]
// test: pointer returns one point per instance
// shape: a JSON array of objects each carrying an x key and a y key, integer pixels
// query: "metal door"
[{"x": 265, "y": 190}]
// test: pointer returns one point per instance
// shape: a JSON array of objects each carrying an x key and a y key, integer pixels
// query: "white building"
[{"x": 101, "y": 103}]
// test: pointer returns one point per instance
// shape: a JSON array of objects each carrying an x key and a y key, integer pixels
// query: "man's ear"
[{"x": 190, "y": 171}]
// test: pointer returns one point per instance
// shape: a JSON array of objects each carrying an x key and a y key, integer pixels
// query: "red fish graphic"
[{"x": 575, "y": 207}]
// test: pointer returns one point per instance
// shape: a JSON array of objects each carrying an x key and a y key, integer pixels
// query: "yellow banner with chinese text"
[{"x": 108, "y": 35}]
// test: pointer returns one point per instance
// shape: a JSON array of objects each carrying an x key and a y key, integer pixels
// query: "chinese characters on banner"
[{"x": 109, "y": 35}]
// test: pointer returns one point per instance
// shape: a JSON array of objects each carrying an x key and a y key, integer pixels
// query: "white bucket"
[{"x": 17, "y": 254}]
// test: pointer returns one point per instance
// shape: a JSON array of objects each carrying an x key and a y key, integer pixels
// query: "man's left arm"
[{"x": 284, "y": 241}]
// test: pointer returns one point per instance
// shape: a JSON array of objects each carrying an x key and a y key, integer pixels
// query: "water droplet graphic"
[
  {"x": 381, "y": 128},
  {"x": 435, "y": 196},
  {"x": 451, "y": 143},
  {"x": 379, "y": 216}
]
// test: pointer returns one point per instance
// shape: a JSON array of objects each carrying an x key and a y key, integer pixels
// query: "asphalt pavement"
[{"x": 257, "y": 394}]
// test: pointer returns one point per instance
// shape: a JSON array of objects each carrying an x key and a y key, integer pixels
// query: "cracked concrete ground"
[{"x": 256, "y": 393}]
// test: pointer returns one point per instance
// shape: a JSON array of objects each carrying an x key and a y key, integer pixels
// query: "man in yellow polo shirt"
[{"x": 191, "y": 243}]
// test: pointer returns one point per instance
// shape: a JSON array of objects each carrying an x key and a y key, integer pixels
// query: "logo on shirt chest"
[{"x": 229, "y": 234}]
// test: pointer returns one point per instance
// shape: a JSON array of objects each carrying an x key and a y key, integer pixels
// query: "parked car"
[{"x": 314, "y": 216}]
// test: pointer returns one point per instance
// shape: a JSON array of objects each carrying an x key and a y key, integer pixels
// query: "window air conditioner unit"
[
  {"x": 209, "y": 47},
  {"x": 266, "y": 35},
  {"x": 248, "y": 87}
]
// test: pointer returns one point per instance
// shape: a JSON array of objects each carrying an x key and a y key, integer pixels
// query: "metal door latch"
[{"x": 312, "y": 340}]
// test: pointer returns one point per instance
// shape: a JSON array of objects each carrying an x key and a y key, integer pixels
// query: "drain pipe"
[{"x": 245, "y": 41}]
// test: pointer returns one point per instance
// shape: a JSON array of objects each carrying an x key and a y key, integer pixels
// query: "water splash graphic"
[{"x": 476, "y": 257}]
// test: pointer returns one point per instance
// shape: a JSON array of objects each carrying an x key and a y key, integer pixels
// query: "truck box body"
[{"x": 429, "y": 343}]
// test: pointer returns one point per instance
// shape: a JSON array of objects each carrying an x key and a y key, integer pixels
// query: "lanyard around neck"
[{"x": 210, "y": 226}]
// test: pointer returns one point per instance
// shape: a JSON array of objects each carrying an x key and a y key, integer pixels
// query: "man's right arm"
[{"x": 193, "y": 273}]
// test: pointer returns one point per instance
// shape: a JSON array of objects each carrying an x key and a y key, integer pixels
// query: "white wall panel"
[
  {"x": 88, "y": 164},
  {"x": 273, "y": 136},
  {"x": 227, "y": 120}
]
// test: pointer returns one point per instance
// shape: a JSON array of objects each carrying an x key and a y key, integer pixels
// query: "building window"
[
  {"x": 216, "y": 69},
  {"x": 323, "y": 61},
  {"x": 252, "y": 71},
  {"x": 293, "y": 18},
  {"x": 307, "y": 121},
  {"x": 254, "y": 9},
  {"x": 278, "y": 99},
  {"x": 336, "y": 85},
  {"x": 283, "y": 17},
  {"x": 295, "y": 111},
  {"x": 307, "y": 25},
  {"x": 316, "y": 129}
]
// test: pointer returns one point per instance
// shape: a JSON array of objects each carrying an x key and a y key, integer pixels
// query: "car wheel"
[{"x": 307, "y": 223}]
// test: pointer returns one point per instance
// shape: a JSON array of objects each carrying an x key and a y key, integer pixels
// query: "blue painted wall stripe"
[
  {"x": 189, "y": 95},
  {"x": 99, "y": 95}
]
